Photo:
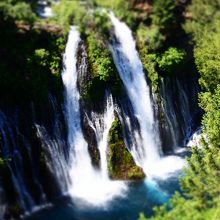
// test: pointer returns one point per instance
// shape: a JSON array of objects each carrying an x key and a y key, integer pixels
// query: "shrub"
[
  {"x": 102, "y": 68},
  {"x": 171, "y": 60},
  {"x": 151, "y": 37},
  {"x": 163, "y": 14},
  {"x": 19, "y": 11}
]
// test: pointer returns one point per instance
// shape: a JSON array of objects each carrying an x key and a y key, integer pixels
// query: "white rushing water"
[
  {"x": 101, "y": 125},
  {"x": 87, "y": 184},
  {"x": 147, "y": 153},
  {"x": 195, "y": 139}
]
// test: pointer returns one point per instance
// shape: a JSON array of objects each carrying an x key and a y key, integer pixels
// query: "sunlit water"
[
  {"x": 87, "y": 185},
  {"x": 92, "y": 195},
  {"x": 147, "y": 153}
]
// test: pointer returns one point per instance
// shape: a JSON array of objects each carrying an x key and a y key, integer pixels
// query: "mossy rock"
[
  {"x": 121, "y": 165},
  {"x": 102, "y": 69}
]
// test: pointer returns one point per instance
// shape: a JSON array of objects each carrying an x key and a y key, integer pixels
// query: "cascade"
[
  {"x": 146, "y": 151},
  {"x": 101, "y": 125},
  {"x": 22, "y": 153},
  {"x": 54, "y": 148},
  {"x": 131, "y": 72},
  {"x": 180, "y": 109},
  {"x": 87, "y": 183},
  {"x": 9, "y": 137}
]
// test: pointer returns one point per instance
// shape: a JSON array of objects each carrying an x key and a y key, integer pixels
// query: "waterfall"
[
  {"x": 180, "y": 109},
  {"x": 147, "y": 150},
  {"x": 131, "y": 72},
  {"x": 55, "y": 152},
  {"x": 101, "y": 125},
  {"x": 32, "y": 157},
  {"x": 10, "y": 136},
  {"x": 87, "y": 183}
]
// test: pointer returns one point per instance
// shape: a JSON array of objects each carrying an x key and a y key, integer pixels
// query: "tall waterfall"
[
  {"x": 147, "y": 151},
  {"x": 87, "y": 183}
]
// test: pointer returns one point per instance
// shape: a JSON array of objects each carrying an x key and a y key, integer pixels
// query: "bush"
[
  {"x": 207, "y": 59},
  {"x": 171, "y": 60},
  {"x": 163, "y": 14},
  {"x": 204, "y": 14},
  {"x": 19, "y": 11},
  {"x": 102, "y": 68},
  {"x": 71, "y": 13},
  {"x": 151, "y": 37}
]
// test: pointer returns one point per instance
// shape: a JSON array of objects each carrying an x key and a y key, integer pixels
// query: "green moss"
[
  {"x": 149, "y": 64},
  {"x": 103, "y": 71},
  {"x": 120, "y": 162}
]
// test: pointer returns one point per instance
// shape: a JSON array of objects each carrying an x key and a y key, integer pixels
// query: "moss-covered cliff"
[{"x": 121, "y": 165}]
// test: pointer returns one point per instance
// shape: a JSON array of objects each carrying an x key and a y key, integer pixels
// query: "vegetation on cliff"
[
  {"x": 157, "y": 41},
  {"x": 200, "y": 184},
  {"x": 30, "y": 52},
  {"x": 121, "y": 164},
  {"x": 94, "y": 25}
]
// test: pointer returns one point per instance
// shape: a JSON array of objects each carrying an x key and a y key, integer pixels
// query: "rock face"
[
  {"x": 83, "y": 78},
  {"x": 121, "y": 165}
]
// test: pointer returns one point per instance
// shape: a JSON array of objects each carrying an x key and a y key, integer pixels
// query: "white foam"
[{"x": 87, "y": 184}]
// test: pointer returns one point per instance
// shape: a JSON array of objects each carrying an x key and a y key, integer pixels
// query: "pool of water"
[{"x": 140, "y": 197}]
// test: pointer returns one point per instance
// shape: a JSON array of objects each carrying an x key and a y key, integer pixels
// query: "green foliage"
[
  {"x": 72, "y": 12},
  {"x": 99, "y": 58},
  {"x": 34, "y": 69},
  {"x": 163, "y": 14},
  {"x": 141, "y": 217},
  {"x": 102, "y": 22},
  {"x": 200, "y": 184},
  {"x": 40, "y": 56},
  {"x": 171, "y": 60},
  {"x": 120, "y": 7},
  {"x": 151, "y": 36},
  {"x": 201, "y": 189},
  {"x": 102, "y": 68},
  {"x": 207, "y": 58},
  {"x": 210, "y": 103},
  {"x": 19, "y": 11},
  {"x": 204, "y": 14},
  {"x": 185, "y": 209},
  {"x": 149, "y": 64},
  {"x": 146, "y": 44}
]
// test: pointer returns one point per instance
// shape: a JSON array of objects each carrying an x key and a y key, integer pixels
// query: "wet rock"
[{"x": 121, "y": 165}]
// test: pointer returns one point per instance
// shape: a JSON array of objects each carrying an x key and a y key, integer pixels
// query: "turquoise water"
[{"x": 140, "y": 197}]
